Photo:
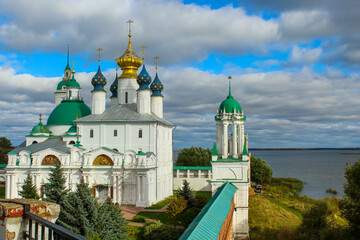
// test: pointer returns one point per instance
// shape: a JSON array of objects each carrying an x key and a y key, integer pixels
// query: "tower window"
[
  {"x": 140, "y": 133},
  {"x": 126, "y": 97},
  {"x": 115, "y": 133},
  {"x": 91, "y": 133},
  {"x": 71, "y": 142}
]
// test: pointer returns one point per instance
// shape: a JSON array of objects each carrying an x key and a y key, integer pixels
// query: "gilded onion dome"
[
  {"x": 143, "y": 79},
  {"x": 129, "y": 62},
  {"x": 98, "y": 81},
  {"x": 114, "y": 87},
  {"x": 156, "y": 87}
]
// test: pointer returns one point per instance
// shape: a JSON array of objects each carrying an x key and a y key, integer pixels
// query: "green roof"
[
  {"x": 245, "y": 152},
  {"x": 141, "y": 153},
  {"x": 230, "y": 160},
  {"x": 229, "y": 105},
  {"x": 40, "y": 128},
  {"x": 72, "y": 129},
  {"x": 60, "y": 85},
  {"x": 73, "y": 83},
  {"x": 2, "y": 165},
  {"x": 214, "y": 150},
  {"x": 66, "y": 111},
  {"x": 209, "y": 221},
  {"x": 191, "y": 168}
]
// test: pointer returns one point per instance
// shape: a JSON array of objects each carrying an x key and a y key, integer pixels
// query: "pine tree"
[
  {"x": 55, "y": 190},
  {"x": 29, "y": 190},
  {"x": 111, "y": 223},
  {"x": 187, "y": 193},
  {"x": 79, "y": 211}
]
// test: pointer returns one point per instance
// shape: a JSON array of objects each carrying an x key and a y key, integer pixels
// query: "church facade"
[{"x": 123, "y": 152}]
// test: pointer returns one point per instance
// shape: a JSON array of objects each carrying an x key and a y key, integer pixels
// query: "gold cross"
[
  {"x": 40, "y": 116},
  {"x": 99, "y": 49},
  {"x": 143, "y": 48},
  {"x": 156, "y": 60},
  {"x": 129, "y": 22}
]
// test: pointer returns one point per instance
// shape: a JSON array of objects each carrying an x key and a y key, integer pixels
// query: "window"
[
  {"x": 115, "y": 133},
  {"x": 69, "y": 94},
  {"x": 126, "y": 97},
  {"x": 71, "y": 142},
  {"x": 140, "y": 133},
  {"x": 34, "y": 142},
  {"x": 91, "y": 133}
]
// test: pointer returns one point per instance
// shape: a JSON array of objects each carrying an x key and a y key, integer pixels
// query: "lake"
[{"x": 318, "y": 169}]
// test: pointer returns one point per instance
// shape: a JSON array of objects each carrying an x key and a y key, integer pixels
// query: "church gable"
[{"x": 103, "y": 157}]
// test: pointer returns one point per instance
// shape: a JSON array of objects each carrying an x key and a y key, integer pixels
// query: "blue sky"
[{"x": 295, "y": 64}]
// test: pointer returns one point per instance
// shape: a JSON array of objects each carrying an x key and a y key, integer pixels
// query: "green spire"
[
  {"x": 230, "y": 96},
  {"x": 245, "y": 152},
  {"x": 214, "y": 150},
  {"x": 68, "y": 65}
]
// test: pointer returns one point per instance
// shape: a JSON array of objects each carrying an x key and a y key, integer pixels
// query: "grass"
[
  {"x": 162, "y": 203},
  {"x": 2, "y": 192},
  {"x": 162, "y": 216}
]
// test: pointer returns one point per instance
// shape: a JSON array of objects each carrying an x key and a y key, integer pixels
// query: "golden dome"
[{"x": 129, "y": 62}]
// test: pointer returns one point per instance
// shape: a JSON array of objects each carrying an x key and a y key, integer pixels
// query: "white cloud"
[{"x": 304, "y": 55}]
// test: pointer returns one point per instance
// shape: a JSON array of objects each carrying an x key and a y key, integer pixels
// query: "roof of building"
[
  {"x": 60, "y": 85},
  {"x": 230, "y": 105},
  {"x": 114, "y": 86},
  {"x": 72, "y": 83},
  {"x": 121, "y": 113},
  {"x": 209, "y": 221},
  {"x": 143, "y": 79},
  {"x": 191, "y": 168},
  {"x": 53, "y": 142},
  {"x": 214, "y": 150},
  {"x": 98, "y": 81},
  {"x": 66, "y": 112},
  {"x": 157, "y": 86},
  {"x": 40, "y": 128}
]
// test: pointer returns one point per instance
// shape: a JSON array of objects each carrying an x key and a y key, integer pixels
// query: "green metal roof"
[
  {"x": 230, "y": 105},
  {"x": 141, "y": 153},
  {"x": 245, "y": 152},
  {"x": 72, "y": 129},
  {"x": 73, "y": 83},
  {"x": 230, "y": 160},
  {"x": 191, "y": 168},
  {"x": 214, "y": 150},
  {"x": 66, "y": 111},
  {"x": 209, "y": 221},
  {"x": 2, "y": 165},
  {"x": 40, "y": 128},
  {"x": 60, "y": 85}
]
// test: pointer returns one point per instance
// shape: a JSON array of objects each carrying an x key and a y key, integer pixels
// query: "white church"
[{"x": 123, "y": 152}]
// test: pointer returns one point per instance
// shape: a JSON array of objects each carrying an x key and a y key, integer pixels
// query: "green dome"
[
  {"x": 72, "y": 129},
  {"x": 229, "y": 105},
  {"x": 73, "y": 83},
  {"x": 60, "y": 85},
  {"x": 66, "y": 111},
  {"x": 40, "y": 128}
]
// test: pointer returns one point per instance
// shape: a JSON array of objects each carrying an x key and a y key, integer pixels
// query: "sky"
[{"x": 294, "y": 64}]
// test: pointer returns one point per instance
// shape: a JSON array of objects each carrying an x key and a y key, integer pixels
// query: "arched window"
[
  {"x": 103, "y": 160},
  {"x": 126, "y": 97},
  {"x": 140, "y": 133},
  {"x": 34, "y": 142},
  {"x": 91, "y": 133},
  {"x": 50, "y": 160},
  {"x": 115, "y": 133},
  {"x": 71, "y": 142}
]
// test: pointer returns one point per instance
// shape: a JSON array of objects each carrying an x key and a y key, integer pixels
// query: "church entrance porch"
[{"x": 102, "y": 192}]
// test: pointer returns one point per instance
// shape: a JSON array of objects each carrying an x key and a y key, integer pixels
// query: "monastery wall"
[{"x": 198, "y": 177}]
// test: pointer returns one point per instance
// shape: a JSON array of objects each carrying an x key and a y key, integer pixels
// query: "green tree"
[
  {"x": 194, "y": 156},
  {"x": 55, "y": 190},
  {"x": 261, "y": 172},
  {"x": 82, "y": 214},
  {"x": 315, "y": 224},
  {"x": 175, "y": 207},
  {"x": 350, "y": 203},
  {"x": 159, "y": 231},
  {"x": 187, "y": 193},
  {"x": 5, "y": 147},
  {"x": 29, "y": 190}
]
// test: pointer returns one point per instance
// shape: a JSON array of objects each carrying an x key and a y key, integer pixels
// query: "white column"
[
  {"x": 143, "y": 101},
  {"x": 98, "y": 102},
  {"x": 13, "y": 189},
  {"x": 157, "y": 105},
  {"x": 7, "y": 186},
  {"x": 225, "y": 141},
  {"x": 235, "y": 151}
]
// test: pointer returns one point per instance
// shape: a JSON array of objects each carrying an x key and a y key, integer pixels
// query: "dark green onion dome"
[
  {"x": 156, "y": 86},
  {"x": 230, "y": 105},
  {"x": 40, "y": 128},
  {"x": 66, "y": 112},
  {"x": 114, "y": 87},
  {"x": 143, "y": 79},
  {"x": 72, "y": 129},
  {"x": 72, "y": 83},
  {"x": 98, "y": 81},
  {"x": 60, "y": 85}
]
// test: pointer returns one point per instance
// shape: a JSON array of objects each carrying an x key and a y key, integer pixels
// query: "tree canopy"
[
  {"x": 5, "y": 147},
  {"x": 55, "y": 190},
  {"x": 194, "y": 156},
  {"x": 29, "y": 190},
  {"x": 260, "y": 171},
  {"x": 350, "y": 204}
]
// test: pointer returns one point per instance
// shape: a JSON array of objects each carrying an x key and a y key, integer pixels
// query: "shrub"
[
  {"x": 138, "y": 219},
  {"x": 332, "y": 191},
  {"x": 261, "y": 172},
  {"x": 158, "y": 231}
]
